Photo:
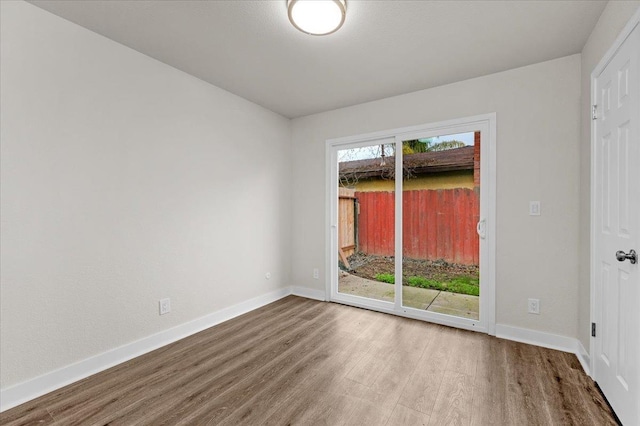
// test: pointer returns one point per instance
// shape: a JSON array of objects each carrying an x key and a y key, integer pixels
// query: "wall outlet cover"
[
  {"x": 165, "y": 306},
  {"x": 534, "y": 208}
]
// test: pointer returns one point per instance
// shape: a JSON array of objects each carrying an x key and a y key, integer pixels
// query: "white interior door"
[{"x": 616, "y": 230}]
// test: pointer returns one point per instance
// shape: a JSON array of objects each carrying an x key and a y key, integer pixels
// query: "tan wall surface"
[{"x": 448, "y": 180}]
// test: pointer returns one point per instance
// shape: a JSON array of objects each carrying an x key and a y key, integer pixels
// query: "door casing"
[{"x": 486, "y": 124}]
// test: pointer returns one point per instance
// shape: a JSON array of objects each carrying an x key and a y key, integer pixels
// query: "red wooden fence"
[{"x": 437, "y": 224}]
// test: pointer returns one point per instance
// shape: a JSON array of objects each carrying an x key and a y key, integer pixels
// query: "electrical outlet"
[
  {"x": 316, "y": 273},
  {"x": 267, "y": 276},
  {"x": 534, "y": 208},
  {"x": 534, "y": 306},
  {"x": 165, "y": 306}
]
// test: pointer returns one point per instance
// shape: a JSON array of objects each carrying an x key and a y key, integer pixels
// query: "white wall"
[
  {"x": 614, "y": 17},
  {"x": 125, "y": 181},
  {"x": 538, "y": 129}
]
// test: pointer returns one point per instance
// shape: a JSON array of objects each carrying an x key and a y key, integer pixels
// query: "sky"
[
  {"x": 467, "y": 138},
  {"x": 374, "y": 150}
]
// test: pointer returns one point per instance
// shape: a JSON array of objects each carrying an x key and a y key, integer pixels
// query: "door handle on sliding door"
[{"x": 481, "y": 228}]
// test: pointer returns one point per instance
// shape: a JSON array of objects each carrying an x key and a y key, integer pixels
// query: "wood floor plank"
[
  {"x": 402, "y": 415},
  {"x": 29, "y": 416},
  {"x": 208, "y": 402},
  {"x": 211, "y": 394},
  {"x": 367, "y": 413},
  {"x": 490, "y": 384},
  {"x": 305, "y": 376},
  {"x": 463, "y": 353},
  {"x": 454, "y": 400},
  {"x": 328, "y": 377},
  {"x": 422, "y": 387},
  {"x": 565, "y": 395},
  {"x": 396, "y": 373},
  {"x": 326, "y": 408},
  {"x": 302, "y": 362},
  {"x": 370, "y": 366},
  {"x": 410, "y": 335},
  {"x": 300, "y": 404},
  {"x": 525, "y": 397}
]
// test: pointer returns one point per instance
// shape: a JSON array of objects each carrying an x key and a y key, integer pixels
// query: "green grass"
[
  {"x": 386, "y": 278},
  {"x": 462, "y": 284}
]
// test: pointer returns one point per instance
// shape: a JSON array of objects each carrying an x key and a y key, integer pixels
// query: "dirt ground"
[{"x": 368, "y": 266}]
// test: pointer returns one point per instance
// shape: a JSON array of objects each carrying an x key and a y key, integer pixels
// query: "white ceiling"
[{"x": 385, "y": 48}]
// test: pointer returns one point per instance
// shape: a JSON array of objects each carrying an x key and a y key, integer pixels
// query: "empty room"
[{"x": 319, "y": 212}]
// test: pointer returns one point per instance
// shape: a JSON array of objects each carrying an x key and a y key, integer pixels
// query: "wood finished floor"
[{"x": 298, "y": 361}]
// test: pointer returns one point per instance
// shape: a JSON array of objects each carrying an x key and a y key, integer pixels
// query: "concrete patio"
[{"x": 460, "y": 305}]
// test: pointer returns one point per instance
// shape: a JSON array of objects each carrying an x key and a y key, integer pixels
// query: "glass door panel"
[
  {"x": 440, "y": 211},
  {"x": 366, "y": 222}
]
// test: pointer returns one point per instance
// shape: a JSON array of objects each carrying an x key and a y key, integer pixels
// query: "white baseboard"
[
  {"x": 309, "y": 293},
  {"x": 537, "y": 338},
  {"x": 545, "y": 340},
  {"x": 33, "y": 388},
  {"x": 584, "y": 358}
]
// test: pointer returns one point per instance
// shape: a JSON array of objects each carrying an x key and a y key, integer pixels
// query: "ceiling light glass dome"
[{"x": 317, "y": 17}]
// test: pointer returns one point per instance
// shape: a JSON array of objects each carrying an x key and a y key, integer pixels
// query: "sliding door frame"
[{"x": 486, "y": 124}]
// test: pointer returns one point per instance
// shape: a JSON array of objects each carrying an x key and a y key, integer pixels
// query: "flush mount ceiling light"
[{"x": 317, "y": 17}]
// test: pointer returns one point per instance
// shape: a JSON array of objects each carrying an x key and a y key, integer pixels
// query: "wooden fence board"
[
  {"x": 437, "y": 224},
  {"x": 346, "y": 221}
]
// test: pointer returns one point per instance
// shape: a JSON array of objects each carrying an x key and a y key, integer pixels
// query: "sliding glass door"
[
  {"x": 366, "y": 223},
  {"x": 440, "y": 212},
  {"x": 408, "y": 223}
]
